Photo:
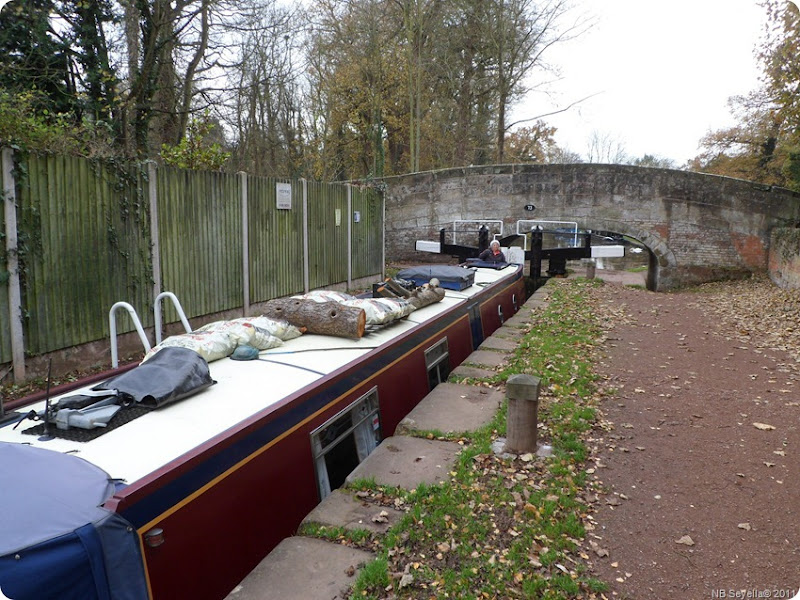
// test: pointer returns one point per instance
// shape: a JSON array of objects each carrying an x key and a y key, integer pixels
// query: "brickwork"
[
  {"x": 698, "y": 227},
  {"x": 784, "y": 257}
]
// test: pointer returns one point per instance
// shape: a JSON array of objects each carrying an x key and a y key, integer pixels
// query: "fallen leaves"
[{"x": 685, "y": 540}]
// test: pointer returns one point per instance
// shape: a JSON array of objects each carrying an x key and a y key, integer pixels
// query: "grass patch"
[{"x": 507, "y": 527}]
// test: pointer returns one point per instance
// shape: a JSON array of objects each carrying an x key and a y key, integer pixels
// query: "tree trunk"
[{"x": 326, "y": 318}]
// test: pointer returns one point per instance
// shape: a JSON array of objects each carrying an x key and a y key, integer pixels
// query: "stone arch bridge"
[{"x": 697, "y": 227}]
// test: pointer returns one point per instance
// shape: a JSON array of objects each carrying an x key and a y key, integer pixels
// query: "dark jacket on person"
[{"x": 489, "y": 256}]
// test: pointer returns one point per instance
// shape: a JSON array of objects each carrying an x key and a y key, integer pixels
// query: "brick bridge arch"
[{"x": 697, "y": 227}]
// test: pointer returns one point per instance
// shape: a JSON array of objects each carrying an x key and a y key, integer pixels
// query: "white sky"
[{"x": 664, "y": 72}]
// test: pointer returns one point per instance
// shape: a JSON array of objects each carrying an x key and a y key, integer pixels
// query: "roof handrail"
[
  {"x": 112, "y": 327},
  {"x": 178, "y": 308}
]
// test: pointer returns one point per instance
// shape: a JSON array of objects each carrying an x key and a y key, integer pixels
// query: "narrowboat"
[{"x": 184, "y": 499}]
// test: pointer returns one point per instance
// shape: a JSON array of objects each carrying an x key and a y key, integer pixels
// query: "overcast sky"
[{"x": 662, "y": 72}]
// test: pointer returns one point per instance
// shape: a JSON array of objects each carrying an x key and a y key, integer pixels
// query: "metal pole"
[
  {"x": 536, "y": 256},
  {"x": 523, "y": 413},
  {"x": 245, "y": 248},
  {"x": 12, "y": 265},
  {"x": 591, "y": 266}
]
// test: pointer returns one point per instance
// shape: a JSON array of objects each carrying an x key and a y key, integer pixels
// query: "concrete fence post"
[
  {"x": 306, "y": 267},
  {"x": 349, "y": 237},
  {"x": 245, "y": 245},
  {"x": 155, "y": 237},
  {"x": 523, "y": 413},
  {"x": 12, "y": 266}
]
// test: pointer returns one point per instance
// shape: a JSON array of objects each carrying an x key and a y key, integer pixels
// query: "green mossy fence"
[{"x": 91, "y": 234}]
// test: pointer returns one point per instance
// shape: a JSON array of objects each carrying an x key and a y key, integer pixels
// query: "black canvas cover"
[{"x": 169, "y": 375}]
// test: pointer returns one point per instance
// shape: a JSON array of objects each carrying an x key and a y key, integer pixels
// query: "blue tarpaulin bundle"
[
  {"x": 450, "y": 277},
  {"x": 56, "y": 541}
]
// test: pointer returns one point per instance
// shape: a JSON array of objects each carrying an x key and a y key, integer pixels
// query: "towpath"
[{"x": 699, "y": 453}]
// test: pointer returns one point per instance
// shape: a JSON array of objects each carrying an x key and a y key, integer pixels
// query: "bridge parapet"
[{"x": 697, "y": 227}]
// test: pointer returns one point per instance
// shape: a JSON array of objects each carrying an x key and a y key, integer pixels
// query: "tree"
[
  {"x": 35, "y": 59},
  {"x": 654, "y": 161},
  {"x": 531, "y": 144},
  {"x": 604, "y": 147},
  {"x": 764, "y": 145},
  {"x": 89, "y": 49},
  {"x": 359, "y": 100},
  {"x": 521, "y": 32},
  {"x": 196, "y": 150},
  {"x": 265, "y": 114},
  {"x": 418, "y": 17}
]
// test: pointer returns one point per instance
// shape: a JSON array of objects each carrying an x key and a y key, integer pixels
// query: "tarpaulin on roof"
[
  {"x": 170, "y": 375},
  {"x": 450, "y": 277},
  {"x": 57, "y": 541}
]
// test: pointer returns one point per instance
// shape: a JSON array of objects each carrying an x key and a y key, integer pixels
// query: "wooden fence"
[{"x": 87, "y": 235}]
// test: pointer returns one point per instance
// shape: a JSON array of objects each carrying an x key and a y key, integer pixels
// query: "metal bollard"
[
  {"x": 523, "y": 413},
  {"x": 591, "y": 265}
]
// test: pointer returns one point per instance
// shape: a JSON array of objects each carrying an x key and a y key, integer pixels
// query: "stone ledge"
[
  {"x": 406, "y": 462},
  {"x": 302, "y": 569},
  {"x": 343, "y": 509},
  {"x": 463, "y": 371},
  {"x": 493, "y": 343},
  {"x": 452, "y": 408},
  {"x": 486, "y": 358}
]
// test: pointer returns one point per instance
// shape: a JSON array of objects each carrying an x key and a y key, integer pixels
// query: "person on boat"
[{"x": 493, "y": 254}]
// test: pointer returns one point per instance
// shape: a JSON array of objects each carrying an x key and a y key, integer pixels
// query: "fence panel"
[
  {"x": 200, "y": 231},
  {"x": 276, "y": 240},
  {"x": 327, "y": 234},
  {"x": 368, "y": 232},
  {"x": 85, "y": 245}
]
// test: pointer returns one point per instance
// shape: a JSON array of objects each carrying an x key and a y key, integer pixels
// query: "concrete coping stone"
[
  {"x": 302, "y": 568},
  {"x": 463, "y": 371},
  {"x": 519, "y": 320},
  {"x": 486, "y": 358},
  {"x": 407, "y": 462},
  {"x": 493, "y": 343},
  {"x": 342, "y": 508},
  {"x": 452, "y": 408},
  {"x": 508, "y": 332}
]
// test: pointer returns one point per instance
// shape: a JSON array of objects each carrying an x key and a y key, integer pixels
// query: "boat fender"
[{"x": 245, "y": 352}]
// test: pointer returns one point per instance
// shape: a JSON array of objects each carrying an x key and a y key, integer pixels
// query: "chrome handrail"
[
  {"x": 178, "y": 308},
  {"x": 112, "y": 327}
]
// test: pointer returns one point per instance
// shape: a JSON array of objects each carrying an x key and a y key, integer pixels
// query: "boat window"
[
  {"x": 437, "y": 362},
  {"x": 345, "y": 440}
]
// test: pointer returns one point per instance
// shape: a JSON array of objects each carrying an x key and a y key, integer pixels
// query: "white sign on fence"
[{"x": 283, "y": 193}]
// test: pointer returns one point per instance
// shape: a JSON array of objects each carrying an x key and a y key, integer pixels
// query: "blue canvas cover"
[
  {"x": 450, "y": 277},
  {"x": 55, "y": 539}
]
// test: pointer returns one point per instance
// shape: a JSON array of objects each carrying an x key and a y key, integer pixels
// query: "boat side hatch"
[
  {"x": 437, "y": 363},
  {"x": 341, "y": 443}
]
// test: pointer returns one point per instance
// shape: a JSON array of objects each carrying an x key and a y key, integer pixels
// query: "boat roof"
[{"x": 151, "y": 441}]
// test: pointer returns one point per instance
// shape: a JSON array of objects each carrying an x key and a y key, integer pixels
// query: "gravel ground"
[{"x": 698, "y": 451}]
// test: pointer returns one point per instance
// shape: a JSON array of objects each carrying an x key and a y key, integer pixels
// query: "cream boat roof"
[{"x": 243, "y": 389}]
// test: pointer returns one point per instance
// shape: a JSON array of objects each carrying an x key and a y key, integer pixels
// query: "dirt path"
[{"x": 701, "y": 456}]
